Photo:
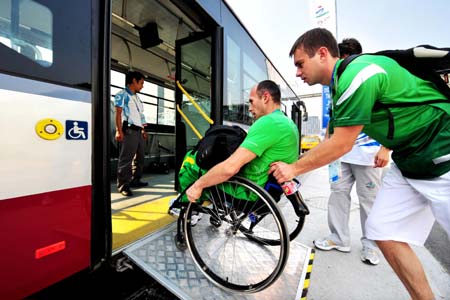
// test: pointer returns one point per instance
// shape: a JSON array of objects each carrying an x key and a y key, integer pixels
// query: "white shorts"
[{"x": 405, "y": 209}]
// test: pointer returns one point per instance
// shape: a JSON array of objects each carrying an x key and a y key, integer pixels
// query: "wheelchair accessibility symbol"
[{"x": 76, "y": 130}]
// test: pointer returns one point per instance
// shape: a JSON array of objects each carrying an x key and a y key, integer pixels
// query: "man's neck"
[
  {"x": 330, "y": 70},
  {"x": 271, "y": 108},
  {"x": 131, "y": 89}
]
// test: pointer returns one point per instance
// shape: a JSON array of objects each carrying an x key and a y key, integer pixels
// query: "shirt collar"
[{"x": 129, "y": 91}]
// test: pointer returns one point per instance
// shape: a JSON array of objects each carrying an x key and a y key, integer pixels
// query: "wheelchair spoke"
[{"x": 228, "y": 248}]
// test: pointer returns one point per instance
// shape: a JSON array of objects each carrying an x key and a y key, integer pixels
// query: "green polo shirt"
[
  {"x": 273, "y": 137},
  {"x": 421, "y": 139}
]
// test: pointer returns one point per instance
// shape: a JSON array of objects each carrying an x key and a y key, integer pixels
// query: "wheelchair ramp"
[{"x": 160, "y": 258}]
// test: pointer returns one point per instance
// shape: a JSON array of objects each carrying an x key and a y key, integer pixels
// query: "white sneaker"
[
  {"x": 369, "y": 256},
  {"x": 174, "y": 211},
  {"x": 327, "y": 244}
]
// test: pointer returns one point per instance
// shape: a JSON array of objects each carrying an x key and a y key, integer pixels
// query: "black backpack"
[
  {"x": 219, "y": 142},
  {"x": 424, "y": 61}
]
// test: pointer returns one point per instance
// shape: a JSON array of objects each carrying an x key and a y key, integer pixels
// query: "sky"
[{"x": 377, "y": 24}]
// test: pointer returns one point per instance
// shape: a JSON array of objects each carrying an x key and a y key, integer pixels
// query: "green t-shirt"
[
  {"x": 421, "y": 136},
  {"x": 273, "y": 137}
]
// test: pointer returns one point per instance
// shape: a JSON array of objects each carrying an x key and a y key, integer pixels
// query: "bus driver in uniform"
[{"x": 130, "y": 122}]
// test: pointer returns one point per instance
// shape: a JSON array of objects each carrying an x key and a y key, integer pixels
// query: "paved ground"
[
  {"x": 439, "y": 246},
  {"x": 337, "y": 275}
]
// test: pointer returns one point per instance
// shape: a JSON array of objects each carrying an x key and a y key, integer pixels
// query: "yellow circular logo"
[{"x": 49, "y": 129}]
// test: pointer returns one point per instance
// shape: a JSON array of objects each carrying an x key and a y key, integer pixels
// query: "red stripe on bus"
[
  {"x": 32, "y": 247},
  {"x": 44, "y": 251}
]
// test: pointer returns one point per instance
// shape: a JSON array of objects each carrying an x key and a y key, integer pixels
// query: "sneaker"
[
  {"x": 195, "y": 219},
  {"x": 369, "y": 256},
  {"x": 126, "y": 191},
  {"x": 138, "y": 184},
  {"x": 174, "y": 211},
  {"x": 327, "y": 244}
]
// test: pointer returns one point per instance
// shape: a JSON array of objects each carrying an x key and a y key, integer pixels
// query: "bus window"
[
  {"x": 27, "y": 29},
  {"x": 49, "y": 41}
]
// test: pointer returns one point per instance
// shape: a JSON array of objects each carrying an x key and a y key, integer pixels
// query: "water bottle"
[
  {"x": 335, "y": 170},
  {"x": 290, "y": 187}
]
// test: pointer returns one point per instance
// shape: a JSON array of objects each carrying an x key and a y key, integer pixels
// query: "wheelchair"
[{"x": 241, "y": 241}]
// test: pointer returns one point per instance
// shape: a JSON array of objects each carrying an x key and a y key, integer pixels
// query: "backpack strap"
[
  {"x": 404, "y": 59},
  {"x": 345, "y": 63},
  {"x": 387, "y": 107}
]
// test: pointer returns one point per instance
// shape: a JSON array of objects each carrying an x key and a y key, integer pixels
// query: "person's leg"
[
  {"x": 437, "y": 191},
  {"x": 408, "y": 268},
  {"x": 339, "y": 206},
  {"x": 127, "y": 152},
  {"x": 339, "y": 213},
  {"x": 401, "y": 215},
  {"x": 139, "y": 159},
  {"x": 368, "y": 181}
]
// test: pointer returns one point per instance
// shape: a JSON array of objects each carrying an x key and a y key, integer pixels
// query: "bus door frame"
[{"x": 216, "y": 87}]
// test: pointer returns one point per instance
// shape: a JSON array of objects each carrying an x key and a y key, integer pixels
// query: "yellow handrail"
[
  {"x": 204, "y": 115},
  {"x": 189, "y": 123}
]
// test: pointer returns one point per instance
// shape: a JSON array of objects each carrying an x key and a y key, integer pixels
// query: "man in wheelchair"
[{"x": 272, "y": 137}]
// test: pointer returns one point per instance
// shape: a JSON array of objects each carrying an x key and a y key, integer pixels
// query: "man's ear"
[
  {"x": 323, "y": 53},
  {"x": 266, "y": 97}
]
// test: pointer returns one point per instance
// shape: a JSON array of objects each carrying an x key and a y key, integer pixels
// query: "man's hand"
[
  {"x": 382, "y": 157},
  {"x": 282, "y": 172},
  {"x": 119, "y": 136},
  {"x": 144, "y": 134},
  {"x": 194, "y": 192}
]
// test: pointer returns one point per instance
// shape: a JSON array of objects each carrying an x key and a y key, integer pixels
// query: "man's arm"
[
  {"x": 329, "y": 150},
  {"x": 220, "y": 172},
  {"x": 118, "y": 119}
]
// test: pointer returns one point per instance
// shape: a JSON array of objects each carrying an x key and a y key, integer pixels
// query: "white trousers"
[
  {"x": 405, "y": 209},
  {"x": 368, "y": 181}
]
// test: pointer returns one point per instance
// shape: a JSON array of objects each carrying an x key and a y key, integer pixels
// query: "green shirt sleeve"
[
  {"x": 260, "y": 137},
  {"x": 357, "y": 90}
]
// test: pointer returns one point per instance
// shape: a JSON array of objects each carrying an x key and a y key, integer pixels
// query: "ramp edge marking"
[{"x": 303, "y": 285}]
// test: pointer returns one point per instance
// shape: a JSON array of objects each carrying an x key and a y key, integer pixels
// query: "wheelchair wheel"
[
  {"x": 223, "y": 251},
  {"x": 293, "y": 215}
]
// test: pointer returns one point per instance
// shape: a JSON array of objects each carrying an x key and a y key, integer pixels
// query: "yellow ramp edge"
[
  {"x": 132, "y": 223},
  {"x": 307, "y": 275}
]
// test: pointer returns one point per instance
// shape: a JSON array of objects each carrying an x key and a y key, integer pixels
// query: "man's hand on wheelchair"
[
  {"x": 282, "y": 172},
  {"x": 194, "y": 192}
]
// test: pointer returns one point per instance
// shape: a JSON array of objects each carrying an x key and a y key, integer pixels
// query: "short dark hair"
[
  {"x": 313, "y": 39},
  {"x": 133, "y": 75},
  {"x": 271, "y": 87},
  {"x": 349, "y": 46}
]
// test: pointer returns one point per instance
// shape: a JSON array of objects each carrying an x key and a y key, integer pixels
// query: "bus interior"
[
  {"x": 145, "y": 36},
  {"x": 177, "y": 45}
]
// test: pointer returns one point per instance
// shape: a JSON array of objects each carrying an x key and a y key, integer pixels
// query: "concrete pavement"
[{"x": 336, "y": 275}]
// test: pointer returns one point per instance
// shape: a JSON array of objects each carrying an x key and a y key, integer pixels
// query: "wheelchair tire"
[
  {"x": 293, "y": 215},
  {"x": 224, "y": 253}
]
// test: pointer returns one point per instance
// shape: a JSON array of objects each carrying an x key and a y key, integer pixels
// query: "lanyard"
[
  {"x": 133, "y": 98},
  {"x": 332, "y": 81},
  {"x": 332, "y": 91},
  {"x": 135, "y": 103}
]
